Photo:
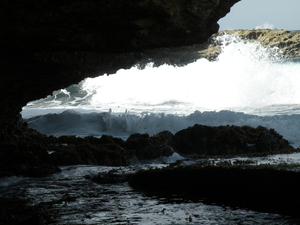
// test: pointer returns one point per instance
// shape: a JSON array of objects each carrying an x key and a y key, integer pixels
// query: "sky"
[{"x": 250, "y": 14}]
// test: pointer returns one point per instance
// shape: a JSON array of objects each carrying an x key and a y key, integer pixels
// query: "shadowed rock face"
[
  {"x": 228, "y": 140},
  {"x": 48, "y": 45},
  {"x": 251, "y": 187},
  {"x": 113, "y": 26}
]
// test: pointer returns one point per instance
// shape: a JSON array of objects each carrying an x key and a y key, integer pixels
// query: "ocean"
[{"x": 248, "y": 84}]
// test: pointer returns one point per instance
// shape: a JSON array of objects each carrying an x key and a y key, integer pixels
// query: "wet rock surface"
[
  {"x": 49, "y": 45},
  {"x": 264, "y": 188},
  {"x": 287, "y": 41},
  {"x": 70, "y": 198},
  {"x": 40, "y": 155}
]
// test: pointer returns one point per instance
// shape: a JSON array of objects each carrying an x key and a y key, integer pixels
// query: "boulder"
[
  {"x": 228, "y": 140},
  {"x": 37, "y": 155},
  {"x": 263, "y": 188},
  {"x": 148, "y": 147}
]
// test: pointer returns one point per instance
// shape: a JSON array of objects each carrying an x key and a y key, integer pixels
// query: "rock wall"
[
  {"x": 286, "y": 46},
  {"x": 287, "y": 42},
  {"x": 47, "y": 45}
]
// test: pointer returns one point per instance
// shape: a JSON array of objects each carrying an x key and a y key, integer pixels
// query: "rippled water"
[{"x": 70, "y": 198}]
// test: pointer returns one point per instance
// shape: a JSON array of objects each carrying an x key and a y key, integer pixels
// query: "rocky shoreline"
[
  {"x": 102, "y": 195},
  {"x": 237, "y": 184},
  {"x": 33, "y": 148},
  {"x": 49, "y": 45},
  {"x": 264, "y": 188},
  {"x": 40, "y": 155},
  {"x": 285, "y": 43},
  {"x": 25, "y": 152}
]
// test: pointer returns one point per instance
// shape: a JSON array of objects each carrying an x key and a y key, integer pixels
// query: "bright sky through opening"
[{"x": 250, "y": 14}]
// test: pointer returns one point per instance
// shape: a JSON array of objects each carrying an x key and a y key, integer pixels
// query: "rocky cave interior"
[{"x": 48, "y": 45}]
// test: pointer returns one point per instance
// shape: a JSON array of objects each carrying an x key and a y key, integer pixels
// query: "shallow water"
[{"x": 69, "y": 198}]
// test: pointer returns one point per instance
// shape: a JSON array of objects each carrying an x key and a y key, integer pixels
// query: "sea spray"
[
  {"x": 248, "y": 84},
  {"x": 246, "y": 74}
]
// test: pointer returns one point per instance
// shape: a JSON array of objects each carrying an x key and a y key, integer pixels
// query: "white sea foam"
[
  {"x": 265, "y": 26},
  {"x": 247, "y": 78},
  {"x": 71, "y": 122}
]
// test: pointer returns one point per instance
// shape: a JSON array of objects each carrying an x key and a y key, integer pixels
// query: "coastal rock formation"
[
  {"x": 39, "y": 155},
  {"x": 48, "y": 45},
  {"x": 148, "y": 147},
  {"x": 228, "y": 140},
  {"x": 287, "y": 42},
  {"x": 263, "y": 188},
  {"x": 283, "y": 44}
]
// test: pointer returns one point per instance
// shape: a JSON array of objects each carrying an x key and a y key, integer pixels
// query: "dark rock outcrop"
[
  {"x": 263, "y": 188},
  {"x": 114, "y": 26},
  {"x": 228, "y": 140},
  {"x": 148, "y": 147},
  {"x": 38, "y": 155},
  {"x": 48, "y": 45}
]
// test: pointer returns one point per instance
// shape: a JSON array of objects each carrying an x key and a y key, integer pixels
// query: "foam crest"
[
  {"x": 72, "y": 122},
  {"x": 247, "y": 77},
  {"x": 266, "y": 26},
  {"x": 246, "y": 74}
]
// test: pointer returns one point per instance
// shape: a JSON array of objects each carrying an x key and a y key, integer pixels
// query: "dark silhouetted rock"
[
  {"x": 34, "y": 220},
  {"x": 151, "y": 147},
  {"x": 49, "y": 45},
  {"x": 227, "y": 140},
  {"x": 264, "y": 188}
]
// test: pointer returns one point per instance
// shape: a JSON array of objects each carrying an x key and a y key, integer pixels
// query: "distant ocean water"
[{"x": 248, "y": 85}]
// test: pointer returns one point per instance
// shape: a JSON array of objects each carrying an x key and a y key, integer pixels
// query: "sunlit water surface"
[{"x": 72, "y": 199}]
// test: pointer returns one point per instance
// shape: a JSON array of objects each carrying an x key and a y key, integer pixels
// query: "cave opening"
[{"x": 161, "y": 89}]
